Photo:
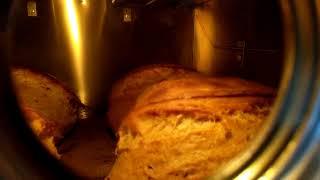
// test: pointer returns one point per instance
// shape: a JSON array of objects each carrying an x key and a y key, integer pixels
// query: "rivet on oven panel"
[
  {"x": 127, "y": 15},
  {"x": 240, "y": 44},
  {"x": 239, "y": 58},
  {"x": 32, "y": 8}
]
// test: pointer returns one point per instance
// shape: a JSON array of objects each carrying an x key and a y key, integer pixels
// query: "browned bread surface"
[
  {"x": 125, "y": 91},
  {"x": 47, "y": 97},
  {"x": 188, "y": 128}
]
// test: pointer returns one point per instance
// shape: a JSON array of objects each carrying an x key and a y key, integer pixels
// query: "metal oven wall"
[{"x": 241, "y": 38}]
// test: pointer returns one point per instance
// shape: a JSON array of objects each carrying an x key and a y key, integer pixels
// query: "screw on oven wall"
[
  {"x": 32, "y": 8},
  {"x": 239, "y": 58},
  {"x": 127, "y": 15}
]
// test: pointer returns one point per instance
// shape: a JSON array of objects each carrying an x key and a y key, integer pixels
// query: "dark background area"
[
  {"x": 163, "y": 34},
  {"x": 166, "y": 35}
]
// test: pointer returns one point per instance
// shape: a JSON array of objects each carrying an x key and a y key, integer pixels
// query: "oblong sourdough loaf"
[
  {"x": 50, "y": 107},
  {"x": 125, "y": 91},
  {"x": 188, "y": 128}
]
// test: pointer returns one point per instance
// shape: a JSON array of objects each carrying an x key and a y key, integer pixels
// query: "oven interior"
[{"x": 218, "y": 38}]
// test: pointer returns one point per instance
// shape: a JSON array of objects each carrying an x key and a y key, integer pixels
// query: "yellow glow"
[
  {"x": 73, "y": 21},
  {"x": 203, "y": 29},
  {"x": 76, "y": 44}
]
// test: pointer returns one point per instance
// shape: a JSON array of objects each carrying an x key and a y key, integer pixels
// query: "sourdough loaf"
[
  {"x": 189, "y": 127},
  {"x": 50, "y": 108}
]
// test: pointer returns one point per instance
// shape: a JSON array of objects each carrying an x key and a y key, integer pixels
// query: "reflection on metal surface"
[
  {"x": 288, "y": 155},
  {"x": 253, "y": 170},
  {"x": 32, "y": 8},
  {"x": 266, "y": 157},
  {"x": 79, "y": 26},
  {"x": 246, "y": 175},
  {"x": 288, "y": 144},
  {"x": 291, "y": 147},
  {"x": 212, "y": 53},
  {"x": 76, "y": 43}
]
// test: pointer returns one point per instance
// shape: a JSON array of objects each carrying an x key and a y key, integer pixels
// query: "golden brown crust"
[{"x": 125, "y": 91}]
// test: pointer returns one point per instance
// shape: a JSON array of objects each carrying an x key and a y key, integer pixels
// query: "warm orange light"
[
  {"x": 204, "y": 36},
  {"x": 84, "y": 2}
]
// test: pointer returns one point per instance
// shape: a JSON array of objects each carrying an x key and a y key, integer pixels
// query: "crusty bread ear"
[
  {"x": 201, "y": 87},
  {"x": 188, "y": 128},
  {"x": 48, "y": 98},
  {"x": 202, "y": 109},
  {"x": 125, "y": 91}
]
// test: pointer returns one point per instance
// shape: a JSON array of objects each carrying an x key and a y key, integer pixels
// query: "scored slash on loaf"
[{"x": 125, "y": 91}]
